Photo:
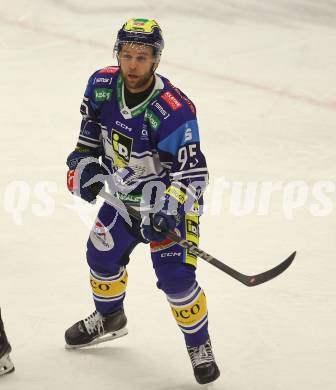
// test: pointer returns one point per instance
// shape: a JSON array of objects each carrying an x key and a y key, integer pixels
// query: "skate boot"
[
  {"x": 203, "y": 362},
  {"x": 96, "y": 328},
  {"x": 6, "y": 365}
]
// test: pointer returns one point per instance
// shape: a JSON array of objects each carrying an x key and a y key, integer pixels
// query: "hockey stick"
[{"x": 248, "y": 280}]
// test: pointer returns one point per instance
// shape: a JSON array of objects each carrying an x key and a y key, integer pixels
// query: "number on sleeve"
[{"x": 185, "y": 154}]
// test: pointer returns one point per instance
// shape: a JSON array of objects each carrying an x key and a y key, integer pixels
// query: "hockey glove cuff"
[{"x": 83, "y": 167}]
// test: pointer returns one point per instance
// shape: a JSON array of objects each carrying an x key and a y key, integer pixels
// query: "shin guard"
[
  {"x": 108, "y": 290},
  {"x": 190, "y": 312}
]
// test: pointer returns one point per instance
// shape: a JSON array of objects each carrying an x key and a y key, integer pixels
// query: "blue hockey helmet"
[{"x": 141, "y": 31}]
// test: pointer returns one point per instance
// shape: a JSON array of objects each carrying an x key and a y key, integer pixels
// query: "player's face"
[{"x": 136, "y": 63}]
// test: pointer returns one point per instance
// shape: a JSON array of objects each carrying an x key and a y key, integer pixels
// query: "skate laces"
[
  {"x": 201, "y": 354},
  {"x": 94, "y": 323}
]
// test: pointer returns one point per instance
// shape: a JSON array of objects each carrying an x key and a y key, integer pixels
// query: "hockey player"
[
  {"x": 140, "y": 130},
  {"x": 6, "y": 365}
]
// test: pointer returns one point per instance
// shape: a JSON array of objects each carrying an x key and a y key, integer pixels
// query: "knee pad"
[{"x": 174, "y": 278}]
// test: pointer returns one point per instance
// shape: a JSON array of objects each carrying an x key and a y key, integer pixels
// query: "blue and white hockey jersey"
[{"x": 160, "y": 135}]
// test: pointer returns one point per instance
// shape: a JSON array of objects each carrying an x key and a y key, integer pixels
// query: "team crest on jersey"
[{"x": 122, "y": 148}]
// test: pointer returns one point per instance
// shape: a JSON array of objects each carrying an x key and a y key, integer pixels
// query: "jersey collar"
[{"x": 128, "y": 113}]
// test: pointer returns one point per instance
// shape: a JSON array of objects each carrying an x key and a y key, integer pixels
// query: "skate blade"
[
  {"x": 6, "y": 365},
  {"x": 101, "y": 339}
]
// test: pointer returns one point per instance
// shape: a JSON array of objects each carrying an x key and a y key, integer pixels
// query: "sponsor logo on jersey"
[
  {"x": 171, "y": 100},
  {"x": 153, "y": 120},
  {"x": 190, "y": 105},
  {"x": 109, "y": 69},
  {"x": 123, "y": 126},
  {"x": 103, "y": 94},
  {"x": 135, "y": 198},
  {"x": 188, "y": 135},
  {"x": 182, "y": 96},
  {"x": 122, "y": 147},
  {"x": 144, "y": 132},
  {"x": 103, "y": 80},
  {"x": 162, "y": 111}
]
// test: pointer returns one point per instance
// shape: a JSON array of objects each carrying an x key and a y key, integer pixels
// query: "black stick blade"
[{"x": 251, "y": 281}]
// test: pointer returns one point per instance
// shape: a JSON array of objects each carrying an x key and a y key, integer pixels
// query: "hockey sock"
[
  {"x": 190, "y": 312},
  {"x": 108, "y": 290}
]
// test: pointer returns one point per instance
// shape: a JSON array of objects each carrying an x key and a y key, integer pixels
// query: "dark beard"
[{"x": 139, "y": 84}]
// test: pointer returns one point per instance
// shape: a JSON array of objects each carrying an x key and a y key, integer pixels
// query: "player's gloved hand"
[
  {"x": 154, "y": 226},
  {"x": 83, "y": 166}
]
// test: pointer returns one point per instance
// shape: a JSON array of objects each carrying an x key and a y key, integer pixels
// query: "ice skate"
[
  {"x": 203, "y": 362},
  {"x": 6, "y": 365},
  {"x": 96, "y": 329}
]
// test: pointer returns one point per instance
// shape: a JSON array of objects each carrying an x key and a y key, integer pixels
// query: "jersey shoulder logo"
[
  {"x": 158, "y": 108},
  {"x": 184, "y": 97},
  {"x": 171, "y": 100},
  {"x": 102, "y": 80}
]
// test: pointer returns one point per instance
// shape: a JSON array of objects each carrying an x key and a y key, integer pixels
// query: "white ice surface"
[{"x": 262, "y": 75}]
